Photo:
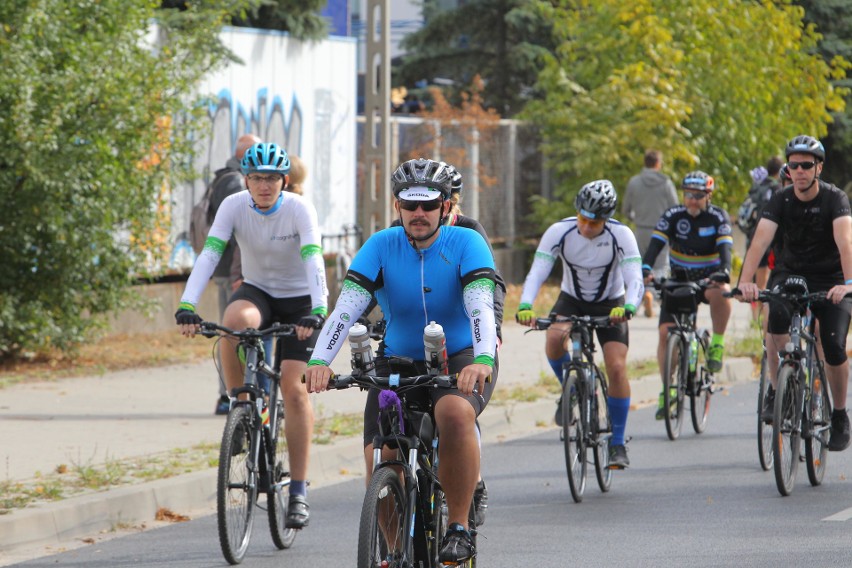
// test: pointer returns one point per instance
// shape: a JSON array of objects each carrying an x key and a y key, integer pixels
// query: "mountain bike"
[
  {"x": 586, "y": 423},
  {"x": 685, "y": 373},
  {"x": 802, "y": 400},
  {"x": 253, "y": 454},
  {"x": 404, "y": 516}
]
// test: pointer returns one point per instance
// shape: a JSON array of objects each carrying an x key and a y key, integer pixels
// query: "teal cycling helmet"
[{"x": 265, "y": 157}]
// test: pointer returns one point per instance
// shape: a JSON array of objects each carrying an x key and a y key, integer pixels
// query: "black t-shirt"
[{"x": 806, "y": 230}]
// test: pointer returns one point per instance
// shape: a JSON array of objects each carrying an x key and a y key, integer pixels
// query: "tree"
[
  {"x": 833, "y": 20},
  {"x": 717, "y": 86},
  {"x": 96, "y": 121},
  {"x": 503, "y": 41},
  {"x": 300, "y": 18}
]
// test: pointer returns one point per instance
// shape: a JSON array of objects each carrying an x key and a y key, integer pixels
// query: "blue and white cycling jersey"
[{"x": 450, "y": 283}]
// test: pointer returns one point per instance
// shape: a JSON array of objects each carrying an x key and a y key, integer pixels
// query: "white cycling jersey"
[
  {"x": 281, "y": 249},
  {"x": 603, "y": 268}
]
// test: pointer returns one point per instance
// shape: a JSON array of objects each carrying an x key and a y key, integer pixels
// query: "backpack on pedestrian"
[{"x": 203, "y": 213}]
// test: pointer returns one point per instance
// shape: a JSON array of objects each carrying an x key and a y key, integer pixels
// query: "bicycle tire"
[
  {"x": 381, "y": 534},
  {"x": 819, "y": 419},
  {"x": 236, "y": 487},
  {"x": 785, "y": 430},
  {"x": 278, "y": 497},
  {"x": 674, "y": 374},
  {"x": 601, "y": 426},
  {"x": 441, "y": 523},
  {"x": 472, "y": 528},
  {"x": 764, "y": 430},
  {"x": 573, "y": 432},
  {"x": 700, "y": 393}
]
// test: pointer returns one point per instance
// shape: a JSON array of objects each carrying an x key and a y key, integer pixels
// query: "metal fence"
[{"x": 502, "y": 169}]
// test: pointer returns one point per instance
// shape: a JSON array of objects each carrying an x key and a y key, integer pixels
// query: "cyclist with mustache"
[{"x": 419, "y": 272}]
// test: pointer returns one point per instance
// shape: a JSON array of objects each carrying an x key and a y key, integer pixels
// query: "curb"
[{"x": 52, "y": 524}]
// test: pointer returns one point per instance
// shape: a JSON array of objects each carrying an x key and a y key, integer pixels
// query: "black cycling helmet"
[
  {"x": 596, "y": 200},
  {"x": 785, "y": 173},
  {"x": 425, "y": 173},
  {"x": 265, "y": 157},
  {"x": 698, "y": 181},
  {"x": 803, "y": 144}
]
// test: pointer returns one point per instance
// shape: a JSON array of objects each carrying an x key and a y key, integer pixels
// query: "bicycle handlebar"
[
  {"x": 592, "y": 322},
  {"x": 780, "y": 295},
  {"x": 340, "y": 382},
  {"x": 213, "y": 329}
]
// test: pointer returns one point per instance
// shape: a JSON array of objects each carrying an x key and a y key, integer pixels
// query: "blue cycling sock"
[
  {"x": 299, "y": 488},
  {"x": 618, "y": 408},
  {"x": 556, "y": 365}
]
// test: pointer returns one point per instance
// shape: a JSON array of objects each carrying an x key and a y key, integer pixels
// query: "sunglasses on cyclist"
[
  {"x": 694, "y": 195},
  {"x": 410, "y": 205},
  {"x": 268, "y": 179},
  {"x": 803, "y": 165},
  {"x": 593, "y": 222}
]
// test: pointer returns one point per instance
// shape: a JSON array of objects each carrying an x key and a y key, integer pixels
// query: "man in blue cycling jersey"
[
  {"x": 420, "y": 272},
  {"x": 600, "y": 276}
]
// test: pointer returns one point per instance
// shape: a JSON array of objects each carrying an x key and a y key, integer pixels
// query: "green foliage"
[
  {"x": 718, "y": 86},
  {"x": 503, "y": 41},
  {"x": 300, "y": 18},
  {"x": 95, "y": 122},
  {"x": 833, "y": 20}
]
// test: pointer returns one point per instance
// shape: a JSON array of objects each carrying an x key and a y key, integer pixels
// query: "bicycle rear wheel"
[
  {"x": 236, "y": 488},
  {"x": 764, "y": 430},
  {"x": 381, "y": 535},
  {"x": 601, "y": 432},
  {"x": 699, "y": 394},
  {"x": 573, "y": 433},
  {"x": 785, "y": 430},
  {"x": 674, "y": 381},
  {"x": 819, "y": 417},
  {"x": 278, "y": 496}
]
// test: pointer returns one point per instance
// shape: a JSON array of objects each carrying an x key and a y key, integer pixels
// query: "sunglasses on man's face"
[
  {"x": 409, "y": 205},
  {"x": 803, "y": 165},
  {"x": 694, "y": 195}
]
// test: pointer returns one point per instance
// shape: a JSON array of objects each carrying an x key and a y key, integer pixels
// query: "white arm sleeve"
[{"x": 350, "y": 305}]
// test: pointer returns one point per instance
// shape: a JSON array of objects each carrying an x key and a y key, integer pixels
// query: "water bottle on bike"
[
  {"x": 435, "y": 345},
  {"x": 361, "y": 347}
]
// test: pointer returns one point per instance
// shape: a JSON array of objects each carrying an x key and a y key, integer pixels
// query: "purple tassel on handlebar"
[{"x": 389, "y": 398}]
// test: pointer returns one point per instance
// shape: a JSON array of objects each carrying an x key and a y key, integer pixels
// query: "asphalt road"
[{"x": 700, "y": 501}]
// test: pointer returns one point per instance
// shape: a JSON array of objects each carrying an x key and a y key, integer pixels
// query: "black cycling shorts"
[
  {"x": 457, "y": 362},
  {"x": 567, "y": 305},
  {"x": 281, "y": 310},
  {"x": 833, "y": 319}
]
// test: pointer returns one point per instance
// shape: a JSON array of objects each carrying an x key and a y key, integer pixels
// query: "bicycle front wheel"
[
  {"x": 381, "y": 535},
  {"x": 278, "y": 496},
  {"x": 764, "y": 430},
  {"x": 573, "y": 433},
  {"x": 785, "y": 430},
  {"x": 674, "y": 381},
  {"x": 699, "y": 394},
  {"x": 819, "y": 419},
  {"x": 236, "y": 488},
  {"x": 601, "y": 425}
]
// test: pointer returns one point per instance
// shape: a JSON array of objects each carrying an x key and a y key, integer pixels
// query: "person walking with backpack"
[
  {"x": 228, "y": 273},
  {"x": 766, "y": 183},
  {"x": 647, "y": 196}
]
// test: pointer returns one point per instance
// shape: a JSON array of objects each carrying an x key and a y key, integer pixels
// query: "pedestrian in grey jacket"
[{"x": 647, "y": 196}]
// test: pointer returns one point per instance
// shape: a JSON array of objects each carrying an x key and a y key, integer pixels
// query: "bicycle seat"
[{"x": 795, "y": 285}]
